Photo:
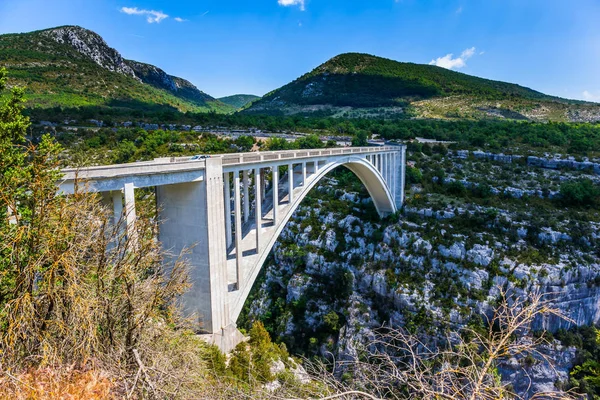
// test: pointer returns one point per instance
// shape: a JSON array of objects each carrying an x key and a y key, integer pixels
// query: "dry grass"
[{"x": 54, "y": 383}]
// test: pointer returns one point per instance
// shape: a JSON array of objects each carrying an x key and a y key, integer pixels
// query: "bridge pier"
[
  {"x": 258, "y": 189},
  {"x": 275, "y": 189},
  {"x": 190, "y": 221}
]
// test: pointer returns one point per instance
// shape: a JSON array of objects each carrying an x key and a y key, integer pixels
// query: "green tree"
[
  {"x": 413, "y": 175},
  {"x": 310, "y": 142},
  {"x": 579, "y": 193},
  {"x": 361, "y": 139},
  {"x": 245, "y": 143},
  {"x": 252, "y": 361}
]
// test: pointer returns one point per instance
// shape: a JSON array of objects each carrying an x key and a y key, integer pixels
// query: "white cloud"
[
  {"x": 449, "y": 62},
  {"x": 152, "y": 16},
  {"x": 589, "y": 96},
  {"x": 287, "y": 3},
  {"x": 180, "y": 19}
]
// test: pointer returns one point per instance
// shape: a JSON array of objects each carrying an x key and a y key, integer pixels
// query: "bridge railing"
[{"x": 253, "y": 157}]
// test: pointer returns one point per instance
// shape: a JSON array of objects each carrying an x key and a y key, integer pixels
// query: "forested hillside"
[
  {"x": 239, "y": 100},
  {"x": 71, "y": 67},
  {"x": 360, "y": 81}
]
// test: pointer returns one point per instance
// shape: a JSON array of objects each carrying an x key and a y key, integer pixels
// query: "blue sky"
[{"x": 254, "y": 46}]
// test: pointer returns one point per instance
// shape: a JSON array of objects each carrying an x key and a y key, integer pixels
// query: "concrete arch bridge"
[{"x": 231, "y": 209}]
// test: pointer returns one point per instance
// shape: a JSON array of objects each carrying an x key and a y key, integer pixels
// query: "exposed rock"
[
  {"x": 92, "y": 46},
  {"x": 480, "y": 255}
]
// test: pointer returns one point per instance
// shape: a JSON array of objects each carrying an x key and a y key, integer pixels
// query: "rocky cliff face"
[
  {"x": 92, "y": 46},
  {"x": 160, "y": 79},
  {"x": 339, "y": 274}
]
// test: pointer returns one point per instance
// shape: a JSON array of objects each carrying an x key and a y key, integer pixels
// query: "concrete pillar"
[
  {"x": 258, "y": 207},
  {"x": 106, "y": 200},
  {"x": 238, "y": 227},
  {"x": 399, "y": 178},
  {"x": 227, "y": 188},
  {"x": 263, "y": 184},
  {"x": 117, "y": 200},
  {"x": 385, "y": 167},
  {"x": 130, "y": 215},
  {"x": 388, "y": 169},
  {"x": 291, "y": 183},
  {"x": 316, "y": 167},
  {"x": 304, "y": 173},
  {"x": 246, "y": 197},
  {"x": 402, "y": 174},
  {"x": 191, "y": 217},
  {"x": 394, "y": 172},
  {"x": 275, "y": 193}
]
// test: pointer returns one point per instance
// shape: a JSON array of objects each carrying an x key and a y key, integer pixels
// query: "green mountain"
[
  {"x": 239, "y": 100},
  {"x": 72, "y": 67},
  {"x": 356, "y": 84}
]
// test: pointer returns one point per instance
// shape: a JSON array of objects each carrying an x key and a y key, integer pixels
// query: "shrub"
[
  {"x": 413, "y": 175},
  {"x": 581, "y": 193}
]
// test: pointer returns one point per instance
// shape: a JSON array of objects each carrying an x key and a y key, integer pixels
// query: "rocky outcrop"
[
  {"x": 158, "y": 78},
  {"x": 535, "y": 374},
  {"x": 423, "y": 266},
  {"x": 91, "y": 45}
]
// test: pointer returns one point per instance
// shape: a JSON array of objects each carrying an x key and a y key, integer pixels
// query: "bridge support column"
[
  {"x": 263, "y": 183},
  {"x": 388, "y": 170},
  {"x": 386, "y": 165},
  {"x": 303, "y": 173},
  {"x": 117, "y": 199},
  {"x": 238, "y": 227},
  {"x": 394, "y": 172},
  {"x": 258, "y": 208},
  {"x": 227, "y": 189},
  {"x": 275, "y": 192},
  {"x": 402, "y": 173},
  {"x": 246, "y": 198},
  {"x": 191, "y": 217},
  {"x": 291, "y": 183},
  {"x": 399, "y": 179},
  {"x": 114, "y": 200},
  {"x": 130, "y": 215}
]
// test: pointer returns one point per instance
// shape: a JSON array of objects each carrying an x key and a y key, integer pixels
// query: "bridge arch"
[{"x": 371, "y": 178}]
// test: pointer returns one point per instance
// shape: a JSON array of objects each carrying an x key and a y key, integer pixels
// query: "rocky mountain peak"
[{"x": 91, "y": 45}]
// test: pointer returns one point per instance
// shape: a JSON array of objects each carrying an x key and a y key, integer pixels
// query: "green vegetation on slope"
[
  {"x": 239, "y": 100},
  {"x": 57, "y": 75},
  {"x": 363, "y": 81},
  {"x": 577, "y": 139}
]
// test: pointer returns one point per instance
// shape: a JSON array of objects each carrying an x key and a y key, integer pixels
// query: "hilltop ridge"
[
  {"x": 70, "y": 66},
  {"x": 355, "y": 81}
]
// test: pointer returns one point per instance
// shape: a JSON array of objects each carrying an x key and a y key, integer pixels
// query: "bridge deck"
[{"x": 167, "y": 165}]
